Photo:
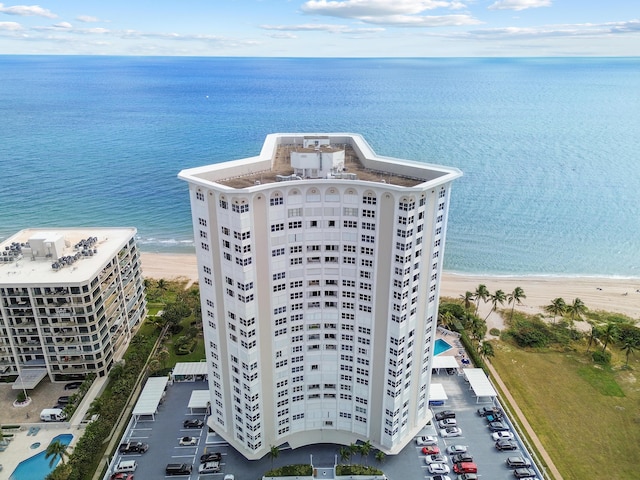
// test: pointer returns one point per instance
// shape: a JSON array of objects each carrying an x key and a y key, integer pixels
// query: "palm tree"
[
  {"x": 58, "y": 451},
  {"x": 515, "y": 297},
  {"x": 481, "y": 293},
  {"x": 486, "y": 350},
  {"x": 380, "y": 456},
  {"x": 274, "y": 453},
  {"x": 592, "y": 336},
  {"x": 353, "y": 448},
  {"x": 446, "y": 319},
  {"x": 576, "y": 309},
  {"x": 478, "y": 328},
  {"x": 467, "y": 298},
  {"x": 162, "y": 284},
  {"x": 609, "y": 333},
  {"x": 497, "y": 298},
  {"x": 345, "y": 454},
  {"x": 556, "y": 307},
  {"x": 365, "y": 449},
  {"x": 628, "y": 348}
]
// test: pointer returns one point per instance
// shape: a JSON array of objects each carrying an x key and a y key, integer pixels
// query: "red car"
[
  {"x": 465, "y": 467},
  {"x": 122, "y": 476},
  {"x": 430, "y": 450}
]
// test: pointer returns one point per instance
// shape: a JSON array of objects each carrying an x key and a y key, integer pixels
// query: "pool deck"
[{"x": 33, "y": 430}]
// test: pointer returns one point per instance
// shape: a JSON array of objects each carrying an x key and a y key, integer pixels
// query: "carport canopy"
[
  {"x": 479, "y": 383},
  {"x": 186, "y": 370},
  {"x": 437, "y": 393},
  {"x": 150, "y": 397},
  {"x": 29, "y": 378},
  {"x": 199, "y": 399},
  {"x": 444, "y": 361}
]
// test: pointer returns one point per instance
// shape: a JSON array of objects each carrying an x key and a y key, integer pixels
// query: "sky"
[{"x": 323, "y": 28}]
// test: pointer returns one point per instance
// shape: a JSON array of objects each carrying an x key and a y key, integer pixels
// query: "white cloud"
[
  {"x": 398, "y": 13},
  {"x": 282, "y": 36},
  {"x": 368, "y": 8},
  {"x": 27, "y": 11},
  {"x": 63, "y": 25},
  {"x": 319, "y": 27},
  {"x": 87, "y": 19},
  {"x": 519, "y": 4},
  {"x": 10, "y": 26}
]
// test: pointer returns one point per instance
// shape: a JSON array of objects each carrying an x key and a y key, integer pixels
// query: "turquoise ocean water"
[{"x": 549, "y": 147}]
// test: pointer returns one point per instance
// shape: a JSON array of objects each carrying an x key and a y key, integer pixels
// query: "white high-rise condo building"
[
  {"x": 319, "y": 265},
  {"x": 70, "y": 300}
]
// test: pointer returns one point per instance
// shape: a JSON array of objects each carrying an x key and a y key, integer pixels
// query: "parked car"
[
  {"x": 461, "y": 457},
  {"x": 439, "y": 477},
  {"x": 493, "y": 418},
  {"x": 430, "y": 450},
  {"x": 229, "y": 476},
  {"x": 524, "y": 473},
  {"x": 503, "y": 435},
  {"x": 72, "y": 386},
  {"x": 439, "y": 468},
  {"x": 445, "y": 414},
  {"x": 484, "y": 411},
  {"x": 121, "y": 476},
  {"x": 518, "y": 462},
  {"x": 211, "y": 457},
  {"x": 465, "y": 467},
  {"x": 498, "y": 427},
  {"x": 195, "y": 423},
  {"x": 426, "y": 440},
  {"x": 209, "y": 467},
  {"x": 133, "y": 447},
  {"x": 64, "y": 400},
  {"x": 468, "y": 476},
  {"x": 451, "y": 432},
  {"x": 178, "y": 469},
  {"x": 453, "y": 449},
  {"x": 503, "y": 445},
  {"x": 447, "y": 422},
  {"x": 435, "y": 459},
  {"x": 188, "y": 441}
]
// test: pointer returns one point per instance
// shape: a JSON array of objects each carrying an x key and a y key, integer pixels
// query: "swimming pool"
[
  {"x": 37, "y": 467},
  {"x": 440, "y": 347}
]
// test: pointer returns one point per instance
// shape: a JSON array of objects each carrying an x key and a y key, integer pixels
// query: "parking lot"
[{"x": 164, "y": 433}]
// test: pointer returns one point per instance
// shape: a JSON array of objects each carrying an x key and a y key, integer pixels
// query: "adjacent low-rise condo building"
[
  {"x": 70, "y": 300},
  {"x": 319, "y": 265}
]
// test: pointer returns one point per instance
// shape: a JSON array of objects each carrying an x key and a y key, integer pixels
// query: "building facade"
[
  {"x": 319, "y": 265},
  {"x": 70, "y": 300}
]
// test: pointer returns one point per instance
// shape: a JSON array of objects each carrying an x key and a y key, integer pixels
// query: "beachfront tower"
[
  {"x": 319, "y": 265},
  {"x": 70, "y": 301}
]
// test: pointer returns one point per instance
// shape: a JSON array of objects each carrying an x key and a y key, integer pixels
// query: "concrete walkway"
[{"x": 551, "y": 468}]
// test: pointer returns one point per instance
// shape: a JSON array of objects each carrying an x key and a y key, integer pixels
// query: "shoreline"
[{"x": 612, "y": 294}]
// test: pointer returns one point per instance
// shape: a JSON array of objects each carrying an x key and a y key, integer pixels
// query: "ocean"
[{"x": 549, "y": 147}]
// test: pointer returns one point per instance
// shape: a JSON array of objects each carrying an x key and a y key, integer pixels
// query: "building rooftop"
[
  {"x": 274, "y": 164},
  {"x": 59, "y": 255}
]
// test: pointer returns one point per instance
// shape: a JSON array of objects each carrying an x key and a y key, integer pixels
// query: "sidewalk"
[{"x": 551, "y": 468}]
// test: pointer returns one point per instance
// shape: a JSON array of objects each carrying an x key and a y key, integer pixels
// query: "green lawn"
[{"x": 587, "y": 416}]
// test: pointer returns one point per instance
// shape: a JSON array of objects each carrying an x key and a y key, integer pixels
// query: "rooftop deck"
[{"x": 281, "y": 166}]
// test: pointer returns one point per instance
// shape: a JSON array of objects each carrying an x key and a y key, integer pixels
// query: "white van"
[
  {"x": 52, "y": 415},
  {"x": 126, "y": 466}
]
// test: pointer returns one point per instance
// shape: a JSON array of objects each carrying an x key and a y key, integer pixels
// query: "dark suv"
[
  {"x": 518, "y": 462},
  {"x": 445, "y": 414},
  {"x": 461, "y": 457},
  {"x": 178, "y": 469}
]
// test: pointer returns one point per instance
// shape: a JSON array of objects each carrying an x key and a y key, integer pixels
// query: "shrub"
[
  {"x": 603, "y": 358},
  {"x": 357, "y": 470},
  {"x": 291, "y": 471},
  {"x": 21, "y": 397},
  {"x": 495, "y": 332}
]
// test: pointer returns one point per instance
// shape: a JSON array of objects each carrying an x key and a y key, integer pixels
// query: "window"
[
  {"x": 295, "y": 224},
  {"x": 202, "y": 222},
  {"x": 276, "y": 201},
  {"x": 200, "y": 196},
  {"x": 240, "y": 208},
  {"x": 277, "y": 252},
  {"x": 223, "y": 204},
  {"x": 277, "y": 227}
]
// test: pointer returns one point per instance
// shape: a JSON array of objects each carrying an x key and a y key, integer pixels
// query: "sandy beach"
[{"x": 610, "y": 294}]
